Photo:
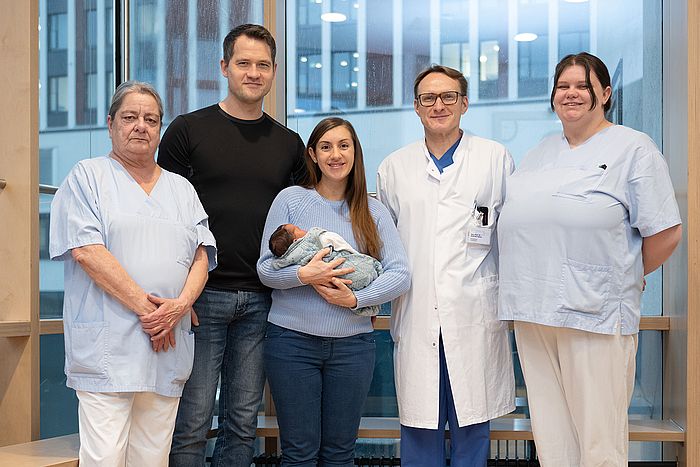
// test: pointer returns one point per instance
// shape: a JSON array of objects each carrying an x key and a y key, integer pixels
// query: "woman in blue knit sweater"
[{"x": 319, "y": 355}]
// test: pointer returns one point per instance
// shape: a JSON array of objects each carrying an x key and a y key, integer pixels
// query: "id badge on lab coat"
[{"x": 479, "y": 235}]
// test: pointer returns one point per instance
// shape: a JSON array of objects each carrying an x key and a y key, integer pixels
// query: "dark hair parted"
[
  {"x": 591, "y": 63},
  {"x": 363, "y": 227},
  {"x": 445, "y": 70},
  {"x": 254, "y": 31},
  {"x": 280, "y": 240}
]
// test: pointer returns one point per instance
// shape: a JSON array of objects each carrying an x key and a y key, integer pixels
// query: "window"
[
  {"x": 58, "y": 31},
  {"x": 533, "y": 57},
  {"x": 379, "y": 63},
  {"x": 46, "y": 166},
  {"x": 58, "y": 94},
  {"x": 91, "y": 28},
  {"x": 509, "y": 85},
  {"x": 380, "y": 47},
  {"x": 493, "y": 49},
  {"x": 454, "y": 36},
  {"x": 44, "y": 235},
  {"x": 91, "y": 80}
]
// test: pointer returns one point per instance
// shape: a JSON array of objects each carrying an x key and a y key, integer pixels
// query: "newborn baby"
[{"x": 293, "y": 245}]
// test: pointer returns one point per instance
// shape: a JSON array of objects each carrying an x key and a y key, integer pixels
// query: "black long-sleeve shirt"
[{"x": 237, "y": 167}]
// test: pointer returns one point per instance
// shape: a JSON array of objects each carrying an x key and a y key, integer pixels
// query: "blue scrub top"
[
  {"x": 570, "y": 233},
  {"x": 154, "y": 238},
  {"x": 447, "y": 159}
]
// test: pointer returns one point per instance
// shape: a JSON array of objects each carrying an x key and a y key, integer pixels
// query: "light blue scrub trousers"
[{"x": 469, "y": 445}]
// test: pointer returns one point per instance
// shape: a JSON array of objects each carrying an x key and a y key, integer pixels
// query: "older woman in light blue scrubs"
[
  {"x": 136, "y": 249},
  {"x": 587, "y": 214}
]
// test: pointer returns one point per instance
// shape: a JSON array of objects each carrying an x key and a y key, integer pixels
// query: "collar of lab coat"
[{"x": 431, "y": 169}]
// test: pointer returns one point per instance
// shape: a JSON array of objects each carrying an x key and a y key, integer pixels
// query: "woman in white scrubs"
[
  {"x": 136, "y": 249},
  {"x": 587, "y": 214}
]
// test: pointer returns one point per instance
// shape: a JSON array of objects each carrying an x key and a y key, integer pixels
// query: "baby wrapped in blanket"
[{"x": 293, "y": 245}]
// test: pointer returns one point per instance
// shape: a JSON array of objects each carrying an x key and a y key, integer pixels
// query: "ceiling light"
[
  {"x": 483, "y": 59},
  {"x": 496, "y": 48},
  {"x": 333, "y": 17},
  {"x": 303, "y": 59},
  {"x": 317, "y": 65},
  {"x": 343, "y": 63},
  {"x": 525, "y": 37}
]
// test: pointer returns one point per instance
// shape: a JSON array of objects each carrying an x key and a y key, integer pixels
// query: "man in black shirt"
[{"x": 238, "y": 158}]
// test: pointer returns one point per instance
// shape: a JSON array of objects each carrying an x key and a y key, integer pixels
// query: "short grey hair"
[{"x": 128, "y": 87}]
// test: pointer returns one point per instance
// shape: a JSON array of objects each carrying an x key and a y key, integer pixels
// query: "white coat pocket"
[
  {"x": 584, "y": 288},
  {"x": 88, "y": 350}
]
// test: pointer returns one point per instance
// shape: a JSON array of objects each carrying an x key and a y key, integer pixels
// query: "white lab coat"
[{"x": 454, "y": 288}]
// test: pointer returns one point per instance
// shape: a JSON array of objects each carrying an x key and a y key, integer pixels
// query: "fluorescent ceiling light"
[
  {"x": 333, "y": 17},
  {"x": 525, "y": 37}
]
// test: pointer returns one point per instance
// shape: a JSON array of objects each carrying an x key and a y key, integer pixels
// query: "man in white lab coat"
[{"x": 452, "y": 357}]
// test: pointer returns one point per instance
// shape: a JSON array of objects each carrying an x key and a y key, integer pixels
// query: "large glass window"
[
  {"x": 362, "y": 65},
  {"x": 507, "y": 50}
]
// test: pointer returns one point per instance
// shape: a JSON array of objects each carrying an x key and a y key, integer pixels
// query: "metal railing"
[
  {"x": 47, "y": 189},
  {"x": 43, "y": 189}
]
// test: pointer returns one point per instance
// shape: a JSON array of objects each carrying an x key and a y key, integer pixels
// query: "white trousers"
[
  {"x": 120, "y": 429},
  {"x": 579, "y": 386}
]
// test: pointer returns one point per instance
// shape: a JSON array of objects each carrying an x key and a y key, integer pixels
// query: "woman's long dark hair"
[{"x": 363, "y": 226}]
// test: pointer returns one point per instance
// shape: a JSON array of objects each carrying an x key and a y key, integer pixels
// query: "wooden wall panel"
[
  {"x": 692, "y": 445},
  {"x": 19, "y": 201}
]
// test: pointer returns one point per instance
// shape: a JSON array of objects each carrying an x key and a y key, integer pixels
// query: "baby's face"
[{"x": 296, "y": 232}]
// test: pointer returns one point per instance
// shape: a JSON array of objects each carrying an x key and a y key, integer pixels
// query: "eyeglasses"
[{"x": 429, "y": 99}]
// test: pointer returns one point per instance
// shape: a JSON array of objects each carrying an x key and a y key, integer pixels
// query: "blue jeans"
[
  {"x": 469, "y": 445},
  {"x": 228, "y": 341},
  {"x": 319, "y": 385}
]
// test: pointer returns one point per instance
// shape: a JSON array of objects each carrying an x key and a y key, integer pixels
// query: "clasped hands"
[
  {"x": 159, "y": 322},
  {"x": 324, "y": 278}
]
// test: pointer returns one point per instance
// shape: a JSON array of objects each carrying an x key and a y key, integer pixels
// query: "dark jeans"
[
  {"x": 319, "y": 385},
  {"x": 228, "y": 341}
]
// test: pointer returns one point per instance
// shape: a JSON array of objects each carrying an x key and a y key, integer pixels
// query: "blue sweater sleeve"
[
  {"x": 396, "y": 278},
  {"x": 279, "y": 214}
]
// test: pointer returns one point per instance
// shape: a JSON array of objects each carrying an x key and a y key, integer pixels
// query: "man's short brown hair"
[{"x": 445, "y": 70}]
